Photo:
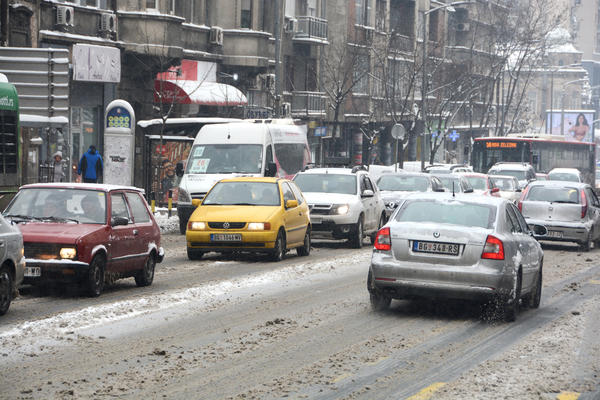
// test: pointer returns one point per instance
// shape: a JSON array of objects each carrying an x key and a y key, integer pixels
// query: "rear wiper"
[{"x": 59, "y": 219}]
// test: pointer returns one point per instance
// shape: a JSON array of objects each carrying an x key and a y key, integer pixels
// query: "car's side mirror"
[
  {"x": 468, "y": 191},
  {"x": 291, "y": 204},
  {"x": 196, "y": 202},
  {"x": 368, "y": 193},
  {"x": 495, "y": 190},
  {"x": 518, "y": 190},
  {"x": 179, "y": 169},
  {"x": 271, "y": 169},
  {"x": 538, "y": 230},
  {"x": 116, "y": 221}
]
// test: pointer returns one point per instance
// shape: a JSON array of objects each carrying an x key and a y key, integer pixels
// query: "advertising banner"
[{"x": 574, "y": 125}]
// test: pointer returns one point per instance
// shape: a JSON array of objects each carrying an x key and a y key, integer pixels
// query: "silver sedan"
[
  {"x": 463, "y": 247},
  {"x": 12, "y": 263},
  {"x": 563, "y": 211}
]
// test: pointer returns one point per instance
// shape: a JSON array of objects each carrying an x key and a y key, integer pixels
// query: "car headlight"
[
  {"x": 259, "y": 226},
  {"x": 341, "y": 209},
  {"x": 68, "y": 253},
  {"x": 184, "y": 196},
  {"x": 197, "y": 226}
]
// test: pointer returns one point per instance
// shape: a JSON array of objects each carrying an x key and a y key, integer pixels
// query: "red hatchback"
[{"x": 86, "y": 233}]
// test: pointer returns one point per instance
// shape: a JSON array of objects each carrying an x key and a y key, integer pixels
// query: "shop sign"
[{"x": 96, "y": 63}]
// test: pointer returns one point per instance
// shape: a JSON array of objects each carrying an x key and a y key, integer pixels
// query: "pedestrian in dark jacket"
[{"x": 90, "y": 166}]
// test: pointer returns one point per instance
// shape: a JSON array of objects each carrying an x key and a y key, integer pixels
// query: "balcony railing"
[
  {"x": 311, "y": 28},
  {"x": 308, "y": 103}
]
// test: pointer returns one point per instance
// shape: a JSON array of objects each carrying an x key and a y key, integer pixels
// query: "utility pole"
[{"x": 277, "y": 58}]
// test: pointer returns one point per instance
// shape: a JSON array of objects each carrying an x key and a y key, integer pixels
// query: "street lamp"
[
  {"x": 425, "y": 39},
  {"x": 552, "y": 71}
]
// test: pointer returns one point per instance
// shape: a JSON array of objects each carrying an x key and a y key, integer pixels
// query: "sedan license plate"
[
  {"x": 32, "y": 272},
  {"x": 435, "y": 247},
  {"x": 555, "y": 234},
  {"x": 226, "y": 237}
]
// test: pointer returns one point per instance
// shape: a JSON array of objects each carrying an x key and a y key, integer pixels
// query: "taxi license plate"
[
  {"x": 32, "y": 272},
  {"x": 555, "y": 234},
  {"x": 226, "y": 237},
  {"x": 435, "y": 247}
]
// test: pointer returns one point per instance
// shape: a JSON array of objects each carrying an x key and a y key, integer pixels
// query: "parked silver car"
[
  {"x": 12, "y": 263},
  {"x": 508, "y": 185},
  {"x": 465, "y": 247},
  {"x": 565, "y": 174},
  {"x": 565, "y": 211}
]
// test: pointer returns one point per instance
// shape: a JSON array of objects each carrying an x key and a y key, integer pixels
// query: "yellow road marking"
[
  {"x": 595, "y": 282},
  {"x": 426, "y": 393},
  {"x": 568, "y": 396},
  {"x": 339, "y": 378},
  {"x": 380, "y": 359}
]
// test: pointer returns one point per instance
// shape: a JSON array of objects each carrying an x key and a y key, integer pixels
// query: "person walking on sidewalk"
[{"x": 90, "y": 166}]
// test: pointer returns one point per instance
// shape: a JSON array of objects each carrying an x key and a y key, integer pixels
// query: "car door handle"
[{"x": 135, "y": 232}]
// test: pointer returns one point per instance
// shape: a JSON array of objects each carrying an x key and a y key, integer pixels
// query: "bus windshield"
[{"x": 225, "y": 159}]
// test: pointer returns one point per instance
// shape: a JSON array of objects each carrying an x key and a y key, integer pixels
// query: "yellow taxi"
[{"x": 263, "y": 215}]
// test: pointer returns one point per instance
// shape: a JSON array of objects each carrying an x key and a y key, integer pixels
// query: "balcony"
[
  {"x": 311, "y": 30},
  {"x": 308, "y": 104}
]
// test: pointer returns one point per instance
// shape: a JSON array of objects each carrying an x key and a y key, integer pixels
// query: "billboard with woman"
[{"x": 575, "y": 125}]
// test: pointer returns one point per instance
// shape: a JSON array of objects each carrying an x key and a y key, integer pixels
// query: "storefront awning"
[{"x": 195, "y": 92}]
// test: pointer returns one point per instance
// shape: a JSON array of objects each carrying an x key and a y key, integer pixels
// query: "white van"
[{"x": 247, "y": 148}]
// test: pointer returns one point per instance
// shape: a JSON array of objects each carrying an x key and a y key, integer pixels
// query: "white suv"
[
  {"x": 524, "y": 172},
  {"x": 343, "y": 203}
]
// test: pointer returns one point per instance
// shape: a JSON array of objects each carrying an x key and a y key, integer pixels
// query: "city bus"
[
  {"x": 543, "y": 152},
  {"x": 9, "y": 141}
]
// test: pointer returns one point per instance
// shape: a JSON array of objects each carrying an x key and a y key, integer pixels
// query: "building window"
[
  {"x": 151, "y": 5},
  {"x": 361, "y": 75},
  {"x": 246, "y": 15},
  {"x": 363, "y": 11},
  {"x": 380, "y": 14},
  {"x": 89, "y": 3}
]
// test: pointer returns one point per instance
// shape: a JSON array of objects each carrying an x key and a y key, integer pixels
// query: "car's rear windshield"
[
  {"x": 403, "y": 183},
  {"x": 59, "y": 205},
  {"x": 326, "y": 183},
  {"x": 477, "y": 183},
  {"x": 448, "y": 212},
  {"x": 243, "y": 193},
  {"x": 520, "y": 175},
  {"x": 506, "y": 184},
  {"x": 563, "y": 176},
  {"x": 553, "y": 194},
  {"x": 447, "y": 181}
]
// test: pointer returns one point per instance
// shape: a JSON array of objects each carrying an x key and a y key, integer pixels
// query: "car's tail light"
[
  {"x": 383, "y": 240},
  {"x": 523, "y": 195},
  {"x": 493, "y": 249},
  {"x": 584, "y": 204}
]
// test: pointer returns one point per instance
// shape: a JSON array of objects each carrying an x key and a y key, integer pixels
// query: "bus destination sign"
[{"x": 501, "y": 145}]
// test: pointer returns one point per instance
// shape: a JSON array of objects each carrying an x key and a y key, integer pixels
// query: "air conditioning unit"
[
  {"x": 216, "y": 36},
  {"x": 108, "y": 22},
  {"x": 463, "y": 27},
  {"x": 291, "y": 25},
  {"x": 286, "y": 110},
  {"x": 65, "y": 16}
]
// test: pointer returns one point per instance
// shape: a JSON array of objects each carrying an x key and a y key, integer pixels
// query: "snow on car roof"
[{"x": 74, "y": 185}]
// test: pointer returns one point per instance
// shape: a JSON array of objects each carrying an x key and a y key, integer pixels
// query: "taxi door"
[{"x": 294, "y": 219}]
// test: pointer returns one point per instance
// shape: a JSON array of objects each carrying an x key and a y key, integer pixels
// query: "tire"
[
  {"x": 145, "y": 276},
  {"x": 587, "y": 245},
  {"x": 278, "y": 253},
  {"x": 379, "y": 301},
  {"x": 511, "y": 305},
  {"x": 95, "y": 279},
  {"x": 194, "y": 254},
  {"x": 6, "y": 290},
  {"x": 374, "y": 234},
  {"x": 356, "y": 237},
  {"x": 182, "y": 226},
  {"x": 535, "y": 297},
  {"x": 304, "y": 250}
]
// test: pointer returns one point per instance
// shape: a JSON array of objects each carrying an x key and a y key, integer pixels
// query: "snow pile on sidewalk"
[{"x": 166, "y": 224}]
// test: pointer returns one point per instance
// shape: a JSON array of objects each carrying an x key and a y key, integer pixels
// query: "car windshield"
[
  {"x": 505, "y": 184},
  {"x": 520, "y": 175},
  {"x": 447, "y": 212},
  {"x": 477, "y": 182},
  {"x": 225, "y": 159},
  {"x": 403, "y": 183},
  {"x": 59, "y": 205},
  {"x": 447, "y": 181},
  {"x": 326, "y": 183},
  {"x": 553, "y": 194},
  {"x": 243, "y": 193},
  {"x": 563, "y": 176}
]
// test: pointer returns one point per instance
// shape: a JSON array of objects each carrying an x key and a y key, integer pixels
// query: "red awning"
[{"x": 195, "y": 92}]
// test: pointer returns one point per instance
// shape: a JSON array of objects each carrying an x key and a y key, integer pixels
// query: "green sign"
[{"x": 8, "y": 97}]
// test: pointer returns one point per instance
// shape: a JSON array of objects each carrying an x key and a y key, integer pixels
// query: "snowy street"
[{"x": 242, "y": 327}]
